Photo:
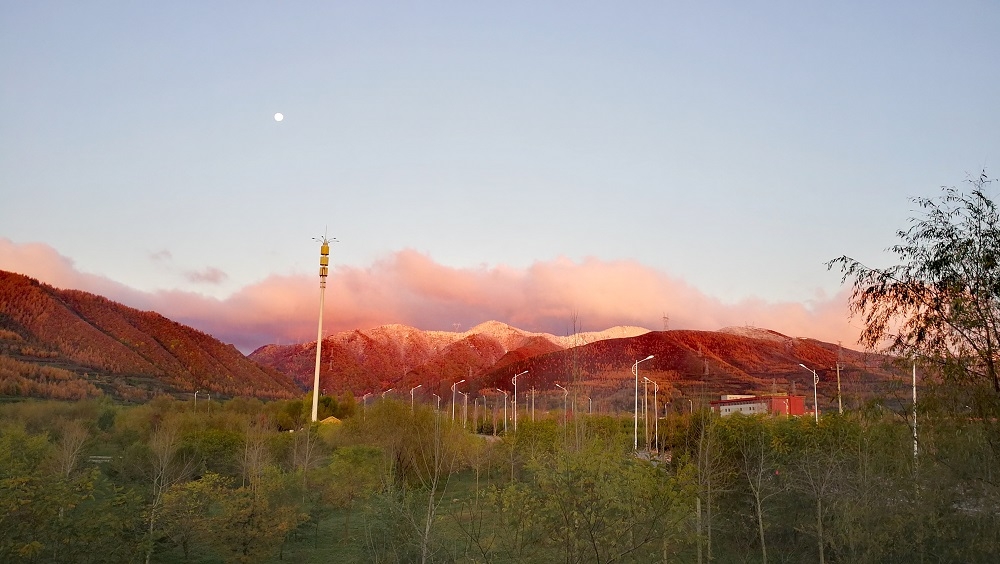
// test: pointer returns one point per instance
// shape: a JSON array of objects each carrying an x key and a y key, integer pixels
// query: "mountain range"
[
  {"x": 702, "y": 364},
  {"x": 72, "y": 344}
]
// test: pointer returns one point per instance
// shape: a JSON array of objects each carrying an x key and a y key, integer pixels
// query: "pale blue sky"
[{"x": 736, "y": 146}]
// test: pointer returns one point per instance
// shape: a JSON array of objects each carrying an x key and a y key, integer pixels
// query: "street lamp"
[
  {"x": 411, "y": 396},
  {"x": 840, "y": 404},
  {"x": 386, "y": 392},
  {"x": 815, "y": 381},
  {"x": 514, "y": 381},
  {"x": 438, "y": 406},
  {"x": 656, "y": 420},
  {"x": 645, "y": 410},
  {"x": 465, "y": 409},
  {"x": 453, "y": 398},
  {"x": 635, "y": 432},
  {"x": 504, "y": 392},
  {"x": 565, "y": 397},
  {"x": 196, "y": 400},
  {"x": 475, "y": 415}
]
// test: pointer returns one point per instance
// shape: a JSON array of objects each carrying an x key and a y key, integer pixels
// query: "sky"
[{"x": 530, "y": 162}]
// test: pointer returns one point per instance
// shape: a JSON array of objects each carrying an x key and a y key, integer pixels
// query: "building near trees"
[{"x": 748, "y": 404}]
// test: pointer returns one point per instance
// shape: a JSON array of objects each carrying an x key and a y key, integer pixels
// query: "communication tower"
[{"x": 324, "y": 267}]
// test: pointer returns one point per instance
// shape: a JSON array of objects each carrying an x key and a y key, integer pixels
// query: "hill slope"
[
  {"x": 67, "y": 343},
  {"x": 686, "y": 363},
  {"x": 374, "y": 360},
  {"x": 705, "y": 365}
]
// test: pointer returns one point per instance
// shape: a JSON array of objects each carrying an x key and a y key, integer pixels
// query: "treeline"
[
  {"x": 175, "y": 481},
  {"x": 31, "y": 380}
]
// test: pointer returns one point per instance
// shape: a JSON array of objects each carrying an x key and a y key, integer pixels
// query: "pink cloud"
[
  {"x": 410, "y": 288},
  {"x": 210, "y": 275},
  {"x": 161, "y": 255}
]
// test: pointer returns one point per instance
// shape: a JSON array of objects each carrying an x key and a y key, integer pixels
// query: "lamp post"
[
  {"x": 196, "y": 400},
  {"x": 656, "y": 420},
  {"x": 635, "y": 432},
  {"x": 645, "y": 410},
  {"x": 532, "y": 404},
  {"x": 411, "y": 395},
  {"x": 465, "y": 409},
  {"x": 386, "y": 392},
  {"x": 504, "y": 392},
  {"x": 565, "y": 397},
  {"x": 815, "y": 382},
  {"x": 438, "y": 406},
  {"x": 324, "y": 264},
  {"x": 840, "y": 404},
  {"x": 453, "y": 398},
  {"x": 590, "y": 406},
  {"x": 514, "y": 381},
  {"x": 914, "y": 413},
  {"x": 475, "y": 415}
]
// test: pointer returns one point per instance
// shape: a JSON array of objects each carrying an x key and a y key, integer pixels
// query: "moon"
[{"x": 279, "y": 116}]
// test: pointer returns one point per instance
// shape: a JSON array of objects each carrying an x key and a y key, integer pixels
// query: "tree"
[
  {"x": 351, "y": 474},
  {"x": 167, "y": 465},
  {"x": 941, "y": 303},
  {"x": 186, "y": 509},
  {"x": 254, "y": 520},
  {"x": 751, "y": 445}
]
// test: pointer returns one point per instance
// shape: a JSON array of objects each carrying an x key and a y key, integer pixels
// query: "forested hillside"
[{"x": 70, "y": 344}]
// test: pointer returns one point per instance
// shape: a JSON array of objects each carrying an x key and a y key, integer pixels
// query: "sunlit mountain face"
[{"x": 396, "y": 359}]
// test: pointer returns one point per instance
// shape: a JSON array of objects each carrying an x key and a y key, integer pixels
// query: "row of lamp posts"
[{"x": 635, "y": 373}]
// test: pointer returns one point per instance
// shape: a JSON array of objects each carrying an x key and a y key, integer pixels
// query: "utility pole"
[
  {"x": 411, "y": 396},
  {"x": 914, "y": 413},
  {"x": 635, "y": 430},
  {"x": 514, "y": 381},
  {"x": 815, "y": 382},
  {"x": 840, "y": 404}
]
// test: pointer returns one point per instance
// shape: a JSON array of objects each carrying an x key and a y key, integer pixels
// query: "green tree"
[
  {"x": 941, "y": 302},
  {"x": 351, "y": 475},
  {"x": 253, "y": 522},
  {"x": 751, "y": 444},
  {"x": 186, "y": 511}
]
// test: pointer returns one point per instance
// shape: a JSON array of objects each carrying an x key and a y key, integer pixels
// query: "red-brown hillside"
[
  {"x": 702, "y": 364},
  {"x": 123, "y": 351}
]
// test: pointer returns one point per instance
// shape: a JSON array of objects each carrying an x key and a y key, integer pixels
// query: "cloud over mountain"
[{"x": 409, "y": 287}]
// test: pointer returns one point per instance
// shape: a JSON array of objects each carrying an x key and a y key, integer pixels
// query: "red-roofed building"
[{"x": 777, "y": 404}]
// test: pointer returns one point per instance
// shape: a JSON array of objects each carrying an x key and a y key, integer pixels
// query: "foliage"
[
  {"x": 941, "y": 302},
  {"x": 396, "y": 486}
]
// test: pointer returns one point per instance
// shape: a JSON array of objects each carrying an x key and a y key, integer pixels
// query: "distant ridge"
[
  {"x": 397, "y": 358},
  {"x": 72, "y": 344},
  {"x": 375, "y": 359}
]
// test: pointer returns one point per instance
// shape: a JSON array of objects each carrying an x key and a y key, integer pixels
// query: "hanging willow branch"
[{"x": 941, "y": 302}]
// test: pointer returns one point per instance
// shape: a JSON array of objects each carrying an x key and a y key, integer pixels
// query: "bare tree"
[
  {"x": 73, "y": 435},
  {"x": 167, "y": 466}
]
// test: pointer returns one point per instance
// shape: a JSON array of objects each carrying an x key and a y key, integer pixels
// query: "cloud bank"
[{"x": 408, "y": 287}]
